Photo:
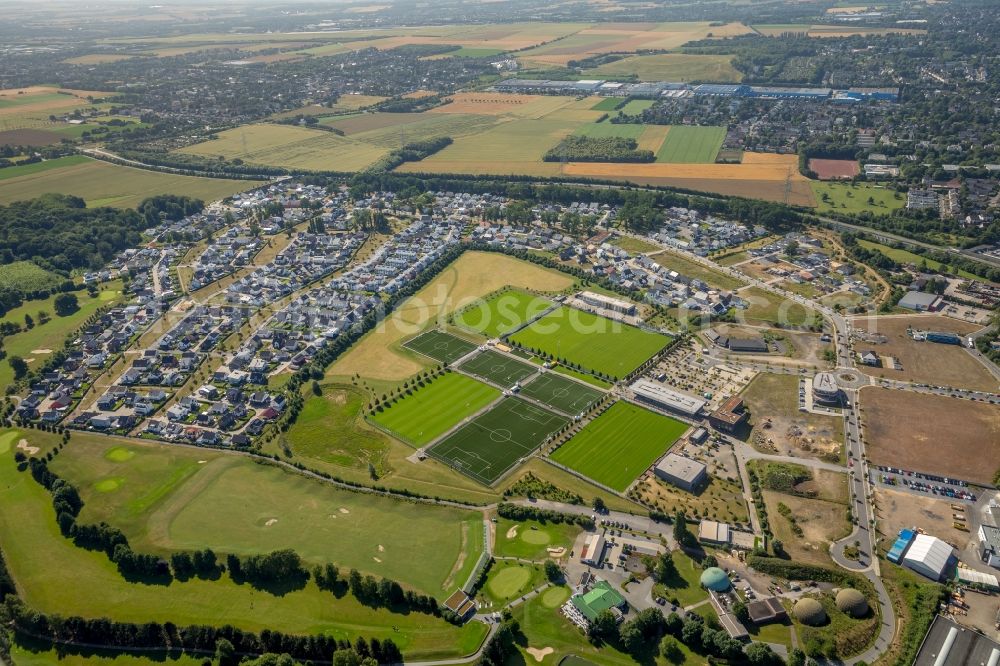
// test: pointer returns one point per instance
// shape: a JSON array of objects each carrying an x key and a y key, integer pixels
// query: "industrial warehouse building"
[
  {"x": 593, "y": 550},
  {"x": 606, "y": 302},
  {"x": 682, "y": 472},
  {"x": 928, "y": 556},
  {"x": 920, "y": 302},
  {"x": 947, "y": 643},
  {"x": 660, "y": 396},
  {"x": 989, "y": 545}
]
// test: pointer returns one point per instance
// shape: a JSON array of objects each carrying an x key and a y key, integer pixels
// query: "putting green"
[
  {"x": 536, "y": 537},
  {"x": 109, "y": 485},
  {"x": 555, "y": 597},
  {"x": 509, "y": 581},
  {"x": 7, "y": 440},
  {"x": 119, "y": 454}
]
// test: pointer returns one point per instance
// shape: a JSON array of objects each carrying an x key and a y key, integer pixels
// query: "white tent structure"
[{"x": 928, "y": 556}]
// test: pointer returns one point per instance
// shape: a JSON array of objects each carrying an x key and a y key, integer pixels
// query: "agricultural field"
[
  {"x": 502, "y": 313},
  {"x": 489, "y": 445},
  {"x": 834, "y": 169},
  {"x": 606, "y": 129},
  {"x": 561, "y": 393},
  {"x": 620, "y": 444},
  {"x": 39, "y": 167},
  {"x": 925, "y": 362},
  {"x": 104, "y": 184},
  {"x": 80, "y": 582},
  {"x": 160, "y": 497},
  {"x": 26, "y": 276},
  {"x": 691, "y": 145},
  {"x": 500, "y": 369},
  {"x": 679, "y": 67},
  {"x": 36, "y": 344},
  {"x": 603, "y": 345},
  {"x": 957, "y": 438},
  {"x": 379, "y": 356},
  {"x": 857, "y": 198},
  {"x": 430, "y": 411},
  {"x": 30, "y": 108},
  {"x": 289, "y": 146},
  {"x": 636, "y": 106},
  {"x": 906, "y": 257},
  {"x": 779, "y": 427},
  {"x": 440, "y": 346},
  {"x": 532, "y": 540}
]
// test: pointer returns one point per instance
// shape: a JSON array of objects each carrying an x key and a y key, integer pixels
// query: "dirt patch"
[
  {"x": 924, "y": 362},
  {"x": 377, "y": 560},
  {"x": 270, "y": 522},
  {"x": 41, "y": 351},
  {"x": 779, "y": 427},
  {"x": 27, "y": 448},
  {"x": 512, "y": 532},
  {"x": 834, "y": 169},
  {"x": 897, "y": 510},
  {"x": 343, "y": 510},
  {"x": 29, "y": 137},
  {"x": 820, "y": 522},
  {"x": 539, "y": 653},
  {"x": 933, "y": 434},
  {"x": 381, "y": 548}
]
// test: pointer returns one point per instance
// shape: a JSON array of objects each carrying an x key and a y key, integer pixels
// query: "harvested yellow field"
[
  {"x": 791, "y": 161},
  {"x": 97, "y": 59},
  {"x": 652, "y": 137},
  {"x": 289, "y": 146},
  {"x": 483, "y": 167},
  {"x": 23, "y": 101},
  {"x": 378, "y": 354},
  {"x": 499, "y": 104}
]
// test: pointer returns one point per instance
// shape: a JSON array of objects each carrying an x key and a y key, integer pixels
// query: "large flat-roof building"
[
  {"x": 948, "y": 643},
  {"x": 682, "y": 472},
  {"x": 606, "y": 302},
  {"x": 763, "y": 611},
  {"x": 661, "y": 396},
  {"x": 920, "y": 301},
  {"x": 989, "y": 545}
]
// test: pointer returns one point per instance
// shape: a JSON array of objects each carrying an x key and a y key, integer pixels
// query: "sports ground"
[
  {"x": 620, "y": 444},
  {"x": 489, "y": 445},
  {"x": 432, "y": 410},
  {"x": 440, "y": 346},
  {"x": 503, "y": 312},
  {"x": 597, "y": 343},
  {"x": 561, "y": 393},
  {"x": 499, "y": 369}
]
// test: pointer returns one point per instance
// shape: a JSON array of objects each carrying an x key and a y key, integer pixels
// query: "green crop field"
[
  {"x": 36, "y": 344},
  {"x": 600, "y": 344},
  {"x": 848, "y": 198},
  {"x": 680, "y": 67},
  {"x": 167, "y": 499},
  {"x": 606, "y": 129},
  {"x": 687, "y": 144},
  {"x": 608, "y": 104},
  {"x": 498, "y": 368},
  {"x": 39, "y": 167},
  {"x": 620, "y": 444},
  {"x": 489, "y": 445},
  {"x": 26, "y": 276},
  {"x": 907, "y": 257},
  {"x": 561, "y": 393},
  {"x": 440, "y": 346},
  {"x": 104, "y": 184},
  {"x": 636, "y": 106},
  {"x": 431, "y": 411},
  {"x": 75, "y": 581},
  {"x": 502, "y": 313}
]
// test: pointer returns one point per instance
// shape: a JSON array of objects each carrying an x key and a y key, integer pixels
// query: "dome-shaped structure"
[
  {"x": 715, "y": 579},
  {"x": 809, "y": 611},
  {"x": 852, "y": 602}
]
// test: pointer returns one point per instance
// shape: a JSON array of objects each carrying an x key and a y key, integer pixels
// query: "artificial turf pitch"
[
  {"x": 489, "y": 445},
  {"x": 561, "y": 393},
  {"x": 440, "y": 346},
  {"x": 498, "y": 369}
]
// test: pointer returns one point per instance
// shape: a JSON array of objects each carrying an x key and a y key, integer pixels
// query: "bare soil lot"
[
  {"x": 29, "y": 137},
  {"x": 834, "y": 169},
  {"x": 925, "y": 362},
  {"x": 779, "y": 427},
  {"x": 933, "y": 434},
  {"x": 821, "y": 522},
  {"x": 897, "y": 510}
]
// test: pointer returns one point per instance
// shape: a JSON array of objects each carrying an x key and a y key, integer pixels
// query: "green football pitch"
[
  {"x": 591, "y": 341},
  {"x": 489, "y": 445},
  {"x": 497, "y": 368},
  {"x": 502, "y": 313},
  {"x": 561, "y": 393},
  {"x": 430, "y": 411},
  {"x": 440, "y": 346},
  {"x": 620, "y": 444}
]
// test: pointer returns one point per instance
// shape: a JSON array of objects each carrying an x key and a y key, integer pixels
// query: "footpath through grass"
[
  {"x": 73, "y": 581},
  {"x": 430, "y": 411},
  {"x": 620, "y": 444}
]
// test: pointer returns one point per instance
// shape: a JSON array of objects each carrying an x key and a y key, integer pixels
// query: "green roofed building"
[{"x": 582, "y": 609}]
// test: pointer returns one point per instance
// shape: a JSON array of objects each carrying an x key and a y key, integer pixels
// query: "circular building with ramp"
[{"x": 715, "y": 579}]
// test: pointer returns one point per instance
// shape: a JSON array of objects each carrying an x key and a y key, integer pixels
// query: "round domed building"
[
  {"x": 715, "y": 579},
  {"x": 852, "y": 602},
  {"x": 809, "y": 612}
]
